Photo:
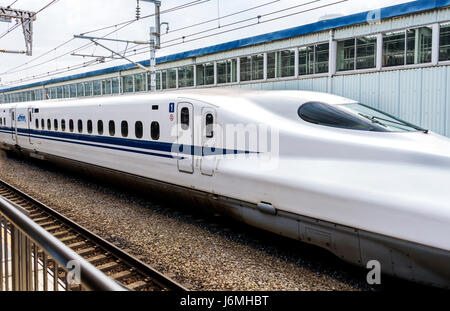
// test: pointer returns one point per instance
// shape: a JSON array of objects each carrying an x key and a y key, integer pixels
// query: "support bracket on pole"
[{"x": 26, "y": 18}]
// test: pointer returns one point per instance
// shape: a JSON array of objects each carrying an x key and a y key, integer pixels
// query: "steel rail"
[
  {"x": 146, "y": 272},
  {"x": 90, "y": 277}
]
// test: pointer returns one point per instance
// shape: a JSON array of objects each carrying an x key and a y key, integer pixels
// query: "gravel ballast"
[{"x": 199, "y": 255}]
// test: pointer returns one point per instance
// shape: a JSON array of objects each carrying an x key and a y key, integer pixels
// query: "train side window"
[
  {"x": 154, "y": 130},
  {"x": 124, "y": 128},
  {"x": 43, "y": 124},
  {"x": 37, "y": 123},
  {"x": 55, "y": 124},
  {"x": 71, "y": 125},
  {"x": 89, "y": 126},
  {"x": 209, "y": 122},
  {"x": 184, "y": 118},
  {"x": 80, "y": 126},
  {"x": 1, "y": 121},
  {"x": 138, "y": 129},
  {"x": 63, "y": 125},
  {"x": 112, "y": 128},
  {"x": 49, "y": 124},
  {"x": 100, "y": 127}
]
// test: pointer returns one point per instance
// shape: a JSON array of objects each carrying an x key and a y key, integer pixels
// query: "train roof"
[{"x": 219, "y": 97}]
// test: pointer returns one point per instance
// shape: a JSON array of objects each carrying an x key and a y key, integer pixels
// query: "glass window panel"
[
  {"x": 158, "y": 80},
  {"x": 59, "y": 92},
  {"x": 88, "y": 88},
  {"x": 280, "y": 64},
  {"x": 209, "y": 73},
  {"x": 53, "y": 93},
  {"x": 321, "y": 58},
  {"x": 100, "y": 127},
  {"x": 272, "y": 65},
  {"x": 346, "y": 55},
  {"x": 139, "y": 82},
  {"x": 80, "y": 89},
  {"x": 205, "y": 74},
  {"x": 200, "y": 71},
  {"x": 366, "y": 52},
  {"x": 138, "y": 129},
  {"x": 258, "y": 67},
  {"x": 305, "y": 55},
  {"x": 73, "y": 90},
  {"x": 171, "y": 78},
  {"x": 66, "y": 91},
  {"x": 164, "y": 79},
  {"x": 186, "y": 76},
  {"x": 394, "y": 49},
  {"x": 287, "y": 63},
  {"x": 115, "y": 86},
  {"x": 246, "y": 68},
  {"x": 232, "y": 70},
  {"x": 106, "y": 86},
  {"x": 444, "y": 42},
  {"x": 124, "y": 128},
  {"x": 97, "y": 87},
  {"x": 127, "y": 84},
  {"x": 419, "y": 44}
]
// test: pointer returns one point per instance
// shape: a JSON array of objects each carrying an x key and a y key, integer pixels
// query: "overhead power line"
[
  {"x": 143, "y": 50},
  {"x": 12, "y": 4},
  {"x": 124, "y": 24}
]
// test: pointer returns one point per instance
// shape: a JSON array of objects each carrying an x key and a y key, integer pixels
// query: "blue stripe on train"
[{"x": 125, "y": 142}]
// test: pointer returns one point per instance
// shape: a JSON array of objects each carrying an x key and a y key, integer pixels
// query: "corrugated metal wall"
[{"x": 420, "y": 95}]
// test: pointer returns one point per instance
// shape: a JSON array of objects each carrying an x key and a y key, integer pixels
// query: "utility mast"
[
  {"x": 26, "y": 18},
  {"x": 155, "y": 40}
]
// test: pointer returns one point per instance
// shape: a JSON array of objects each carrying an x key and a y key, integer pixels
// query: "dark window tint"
[
  {"x": 89, "y": 126},
  {"x": 37, "y": 123},
  {"x": 209, "y": 122},
  {"x": 154, "y": 130},
  {"x": 112, "y": 128},
  {"x": 63, "y": 125},
  {"x": 100, "y": 127},
  {"x": 324, "y": 114},
  {"x": 184, "y": 118},
  {"x": 138, "y": 130},
  {"x": 43, "y": 124},
  {"x": 49, "y": 124},
  {"x": 124, "y": 128},
  {"x": 71, "y": 125},
  {"x": 80, "y": 126},
  {"x": 55, "y": 124}
]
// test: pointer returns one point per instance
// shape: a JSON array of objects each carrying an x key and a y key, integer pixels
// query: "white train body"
[{"x": 362, "y": 194}]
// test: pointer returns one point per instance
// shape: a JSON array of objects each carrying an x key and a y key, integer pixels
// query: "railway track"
[{"x": 117, "y": 264}]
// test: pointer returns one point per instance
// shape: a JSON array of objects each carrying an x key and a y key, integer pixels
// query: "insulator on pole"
[{"x": 138, "y": 10}]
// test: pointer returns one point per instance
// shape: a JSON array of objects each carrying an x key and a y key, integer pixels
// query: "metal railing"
[{"x": 31, "y": 259}]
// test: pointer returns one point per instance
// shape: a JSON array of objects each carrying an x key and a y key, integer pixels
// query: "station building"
[{"x": 396, "y": 59}]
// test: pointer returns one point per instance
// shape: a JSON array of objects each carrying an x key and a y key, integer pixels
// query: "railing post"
[{"x": 3, "y": 255}]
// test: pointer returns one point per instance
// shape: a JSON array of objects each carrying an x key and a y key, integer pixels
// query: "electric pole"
[{"x": 155, "y": 40}]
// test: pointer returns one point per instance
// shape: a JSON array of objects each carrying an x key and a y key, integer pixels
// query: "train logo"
[{"x": 21, "y": 118}]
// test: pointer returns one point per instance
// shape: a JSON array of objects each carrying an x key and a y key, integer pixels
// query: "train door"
[
  {"x": 209, "y": 141},
  {"x": 185, "y": 138},
  {"x": 13, "y": 125},
  {"x": 30, "y": 124}
]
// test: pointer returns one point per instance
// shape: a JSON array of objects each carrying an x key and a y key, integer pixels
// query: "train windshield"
[{"x": 354, "y": 116}]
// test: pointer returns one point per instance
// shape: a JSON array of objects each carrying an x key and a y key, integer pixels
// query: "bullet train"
[{"x": 315, "y": 167}]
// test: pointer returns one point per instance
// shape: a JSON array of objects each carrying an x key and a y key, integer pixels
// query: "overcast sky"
[{"x": 61, "y": 21}]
